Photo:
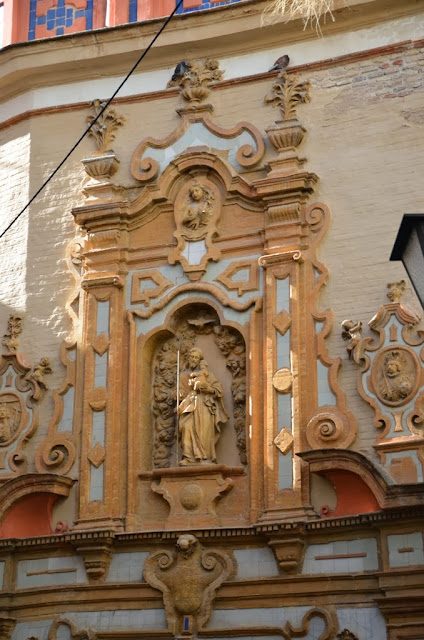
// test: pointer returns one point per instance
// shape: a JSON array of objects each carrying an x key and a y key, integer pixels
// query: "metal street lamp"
[{"x": 409, "y": 247}]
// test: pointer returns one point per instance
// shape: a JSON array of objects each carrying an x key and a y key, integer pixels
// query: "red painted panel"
[
  {"x": 353, "y": 494},
  {"x": 31, "y": 516},
  {"x": 147, "y": 9},
  {"x": 119, "y": 12}
]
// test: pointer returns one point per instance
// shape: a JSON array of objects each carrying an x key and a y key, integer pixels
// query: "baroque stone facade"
[{"x": 189, "y": 446}]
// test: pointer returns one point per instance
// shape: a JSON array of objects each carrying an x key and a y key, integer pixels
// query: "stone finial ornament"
[
  {"x": 395, "y": 290},
  {"x": 103, "y": 131},
  {"x": 286, "y": 93},
  {"x": 11, "y": 339},
  {"x": 188, "y": 578},
  {"x": 194, "y": 78},
  {"x": 287, "y": 133}
]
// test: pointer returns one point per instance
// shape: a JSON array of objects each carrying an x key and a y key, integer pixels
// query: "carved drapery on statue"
[{"x": 204, "y": 406}]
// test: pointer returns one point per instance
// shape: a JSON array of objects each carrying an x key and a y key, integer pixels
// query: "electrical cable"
[{"x": 145, "y": 52}]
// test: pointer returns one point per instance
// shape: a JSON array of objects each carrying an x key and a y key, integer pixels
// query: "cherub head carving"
[{"x": 186, "y": 544}]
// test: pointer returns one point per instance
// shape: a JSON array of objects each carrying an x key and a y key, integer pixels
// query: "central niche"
[{"x": 204, "y": 364}]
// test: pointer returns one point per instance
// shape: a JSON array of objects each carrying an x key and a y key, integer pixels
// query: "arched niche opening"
[{"x": 196, "y": 325}]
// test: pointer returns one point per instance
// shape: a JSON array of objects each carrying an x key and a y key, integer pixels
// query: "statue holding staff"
[{"x": 201, "y": 411}]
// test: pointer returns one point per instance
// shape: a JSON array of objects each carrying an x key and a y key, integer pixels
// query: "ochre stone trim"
[{"x": 233, "y": 534}]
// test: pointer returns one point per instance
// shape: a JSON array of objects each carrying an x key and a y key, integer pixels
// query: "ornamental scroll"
[{"x": 391, "y": 380}]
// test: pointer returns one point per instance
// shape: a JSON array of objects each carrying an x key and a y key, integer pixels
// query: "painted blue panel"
[
  {"x": 133, "y": 11},
  {"x": 58, "y": 17}
]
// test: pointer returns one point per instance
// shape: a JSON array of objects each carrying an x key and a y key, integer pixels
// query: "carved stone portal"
[
  {"x": 390, "y": 380},
  {"x": 212, "y": 395},
  {"x": 188, "y": 579}
]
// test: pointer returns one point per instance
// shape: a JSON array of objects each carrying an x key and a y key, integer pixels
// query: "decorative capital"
[
  {"x": 286, "y": 93},
  {"x": 194, "y": 79},
  {"x": 103, "y": 131}
]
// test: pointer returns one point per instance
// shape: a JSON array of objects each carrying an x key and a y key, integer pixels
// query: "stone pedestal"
[{"x": 192, "y": 493}]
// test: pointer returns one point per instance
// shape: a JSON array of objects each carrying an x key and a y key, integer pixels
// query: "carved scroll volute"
[
  {"x": 188, "y": 579},
  {"x": 197, "y": 211},
  {"x": 22, "y": 388}
]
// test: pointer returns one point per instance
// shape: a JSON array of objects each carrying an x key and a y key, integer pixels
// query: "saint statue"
[
  {"x": 198, "y": 208},
  {"x": 201, "y": 410}
]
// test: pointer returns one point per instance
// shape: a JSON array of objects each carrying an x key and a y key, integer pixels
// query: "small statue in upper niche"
[
  {"x": 198, "y": 210},
  {"x": 395, "y": 384},
  {"x": 201, "y": 411}
]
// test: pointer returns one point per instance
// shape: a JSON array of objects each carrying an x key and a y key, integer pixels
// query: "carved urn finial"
[
  {"x": 103, "y": 164},
  {"x": 194, "y": 80},
  {"x": 287, "y": 133}
]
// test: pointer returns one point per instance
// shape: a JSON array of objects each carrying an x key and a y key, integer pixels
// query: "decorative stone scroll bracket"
[
  {"x": 75, "y": 633},
  {"x": 7, "y": 626},
  {"x": 22, "y": 388},
  {"x": 96, "y": 555},
  {"x": 287, "y": 632},
  {"x": 188, "y": 579},
  {"x": 289, "y": 552}
]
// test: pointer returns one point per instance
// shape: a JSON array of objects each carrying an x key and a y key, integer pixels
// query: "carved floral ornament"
[
  {"x": 286, "y": 93},
  {"x": 194, "y": 79},
  {"x": 103, "y": 164}
]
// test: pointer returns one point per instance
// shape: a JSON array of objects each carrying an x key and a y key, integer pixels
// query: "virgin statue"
[{"x": 201, "y": 411}]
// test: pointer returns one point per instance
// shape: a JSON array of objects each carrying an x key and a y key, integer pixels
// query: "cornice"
[
  {"x": 112, "y": 51},
  {"x": 254, "y": 533}
]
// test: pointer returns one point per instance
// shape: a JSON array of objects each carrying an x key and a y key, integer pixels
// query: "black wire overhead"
[{"x": 145, "y": 52}]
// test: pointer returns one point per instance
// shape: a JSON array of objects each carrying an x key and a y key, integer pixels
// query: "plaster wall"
[{"x": 307, "y": 50}]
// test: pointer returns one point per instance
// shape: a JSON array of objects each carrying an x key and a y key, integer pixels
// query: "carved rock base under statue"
[{"x": 192, "y": 493}]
